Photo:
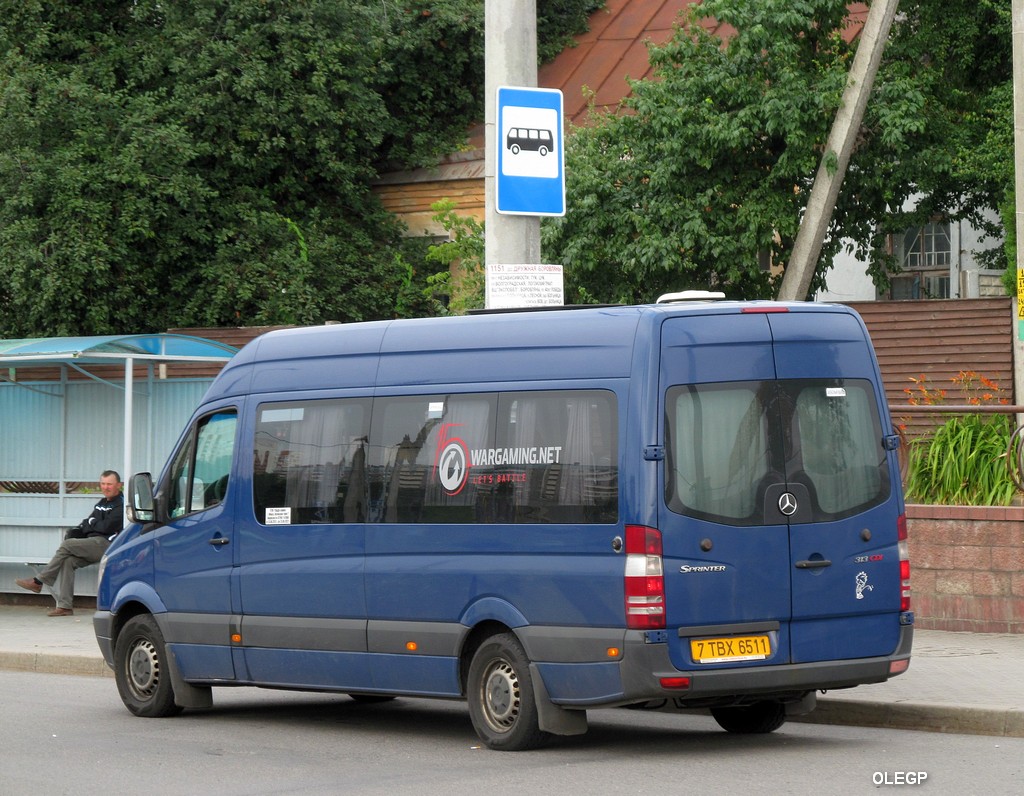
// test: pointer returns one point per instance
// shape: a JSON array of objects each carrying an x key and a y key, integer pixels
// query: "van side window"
[
  {"x": 199, "y": 474},
  {"x": 309, "y": 462},
  {"x": 421, "y": 456},
  {"x": 576, "y": 435},
  {"x": 531, "y": 457}
]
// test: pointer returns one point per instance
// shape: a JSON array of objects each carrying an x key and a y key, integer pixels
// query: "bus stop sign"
[{"x": 530, "y": 163}]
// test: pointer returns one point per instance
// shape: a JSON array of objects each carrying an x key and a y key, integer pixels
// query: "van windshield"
[{"x": 727, "y": 443}]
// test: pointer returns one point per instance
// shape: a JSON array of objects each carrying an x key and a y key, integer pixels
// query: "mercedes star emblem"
[{"x": 787, "y": 504}]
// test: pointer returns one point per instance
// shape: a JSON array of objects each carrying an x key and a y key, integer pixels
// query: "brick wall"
[{"x": 967, "y": 567}]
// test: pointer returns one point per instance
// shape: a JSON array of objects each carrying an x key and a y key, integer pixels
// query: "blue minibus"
[{"x": 683, "y": 505}]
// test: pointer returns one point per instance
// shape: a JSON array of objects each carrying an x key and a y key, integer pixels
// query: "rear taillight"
[
  {"x": 904, "y": 551},
  {"x": 645, "y": 580}
]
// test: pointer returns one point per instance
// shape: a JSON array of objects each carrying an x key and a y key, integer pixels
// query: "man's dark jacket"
[{"x": 106, "y": 519}]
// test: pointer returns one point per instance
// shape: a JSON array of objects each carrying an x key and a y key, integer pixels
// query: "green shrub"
[{"x": 964, "y": 462}]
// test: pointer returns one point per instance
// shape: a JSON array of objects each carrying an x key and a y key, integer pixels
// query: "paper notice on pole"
[
  {"x": 510, "y": 286},
  {"x": 1020, "y": 303}
]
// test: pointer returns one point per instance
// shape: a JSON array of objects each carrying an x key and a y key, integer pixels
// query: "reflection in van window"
[
  {"x": 537, "y": 457},
  {"x": 727, "y": 443},
  {"x": 199, "y": 474},
  {"x": 420, "y": 457},
  {"x": 719, "y": 448},
  {"x": 534, "y": 457},
  {"x": 309, "y": 462},
  {"x": 839, "y": 439}
]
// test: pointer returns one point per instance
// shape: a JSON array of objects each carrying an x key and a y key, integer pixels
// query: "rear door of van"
[
  {"x": 779, "y": 518},
  {"x": 845, "y": 571}
]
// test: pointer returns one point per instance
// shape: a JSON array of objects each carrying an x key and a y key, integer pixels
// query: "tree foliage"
[
  {"x": 967, "y": 46},
  {"x": 704, "y": 178},
  {"x": 209, "y": 162}
]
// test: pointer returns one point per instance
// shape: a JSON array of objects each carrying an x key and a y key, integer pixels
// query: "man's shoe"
[
  {"x": 61, "y": 612},
  {"x": 30, "y": 584}
]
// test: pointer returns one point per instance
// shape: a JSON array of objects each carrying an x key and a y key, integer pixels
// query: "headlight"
[{"x": 99, "y": 576}]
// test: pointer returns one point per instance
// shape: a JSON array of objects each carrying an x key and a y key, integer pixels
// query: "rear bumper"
[{"x": 644, "y": 665}]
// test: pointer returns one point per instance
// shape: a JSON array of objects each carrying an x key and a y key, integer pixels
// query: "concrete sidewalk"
[
  {"x": 31, "y": 641},
  {"x": 957, "y": 682}
]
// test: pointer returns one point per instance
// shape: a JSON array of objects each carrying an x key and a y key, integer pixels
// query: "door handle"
[
  {"x": 815, "y": 564},
  {"x": 219, "y": 541}
]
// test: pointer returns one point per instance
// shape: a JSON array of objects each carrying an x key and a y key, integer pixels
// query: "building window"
[
  {"x": 929, "y": 246},
  {"x": 925, "y": 255}
]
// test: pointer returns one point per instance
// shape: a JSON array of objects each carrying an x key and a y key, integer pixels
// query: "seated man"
[{"x": 83, "y": 545}]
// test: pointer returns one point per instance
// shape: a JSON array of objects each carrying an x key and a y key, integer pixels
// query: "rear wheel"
[
  {"x": 500, "y": 695},
  {"x": 140, "y": 669},
  {"x": 756, "y": 719}
]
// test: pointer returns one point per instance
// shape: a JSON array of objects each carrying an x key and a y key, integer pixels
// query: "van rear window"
[
  {"x": 728, "y": 443},
  {"x": 514, "y": 457}
]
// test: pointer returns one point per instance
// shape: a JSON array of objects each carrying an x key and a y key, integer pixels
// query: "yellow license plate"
[{"x": 730, "y": 648}]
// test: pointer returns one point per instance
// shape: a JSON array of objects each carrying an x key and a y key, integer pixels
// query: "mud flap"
[
  {"x": 552, "y": 718},
  {"x": 187, "y": 695},
  {"x": 803, "y": 706}
]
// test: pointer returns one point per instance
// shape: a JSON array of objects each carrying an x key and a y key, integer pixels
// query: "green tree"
[
  {"x": 459, "y": 285},
  {"x": 197, "y": 163},
  {"x": 972, "y": 137},
  {"x": 704, "y": 178},
  {"x": 209, "y": 162},
  {"x": 959, "y": 162}
]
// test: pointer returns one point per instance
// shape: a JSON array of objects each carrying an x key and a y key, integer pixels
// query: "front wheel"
[
  {"x": 756, "y": 719},
  {"x": 140, "y": 669},
  {"x": 500, "y": 695}
]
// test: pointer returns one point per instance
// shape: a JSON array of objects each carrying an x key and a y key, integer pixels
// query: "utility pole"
[
  {"x": 796, "y": 281},
  {"x": 1018, "y": 164},
  {"x": 510, "y": 59}
]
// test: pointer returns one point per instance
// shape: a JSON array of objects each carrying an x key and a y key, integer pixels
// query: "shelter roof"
[
  {"x": 127, "y": 351},
  {"x": 111, "y": 349}
]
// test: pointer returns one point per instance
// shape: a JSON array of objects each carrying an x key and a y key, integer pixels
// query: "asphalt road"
[{"x": 71, "y": 735}]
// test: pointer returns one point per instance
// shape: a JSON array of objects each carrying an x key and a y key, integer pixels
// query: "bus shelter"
[{"x": 71, "y": 407}]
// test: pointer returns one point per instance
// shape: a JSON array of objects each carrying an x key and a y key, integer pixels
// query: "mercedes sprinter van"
[{"x": 679, "y": 505}]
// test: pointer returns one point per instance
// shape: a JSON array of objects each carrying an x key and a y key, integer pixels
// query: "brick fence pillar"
[{"x": 967, "y": 567}]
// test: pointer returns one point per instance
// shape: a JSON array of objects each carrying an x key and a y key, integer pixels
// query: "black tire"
[
  {"x": 543, "y": 151},
  {"x": 140, "y": 669},
  {"x": 756, "y": 719},
  {"x": 500, "y": 695}
]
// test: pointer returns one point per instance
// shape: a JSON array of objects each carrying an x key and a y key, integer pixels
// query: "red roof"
[
  {"x": 615, "y": 48},
  {"x": 612, "y": 50}
]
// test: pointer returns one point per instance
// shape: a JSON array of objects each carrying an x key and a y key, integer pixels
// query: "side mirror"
[{"x": 141, "y": 506}]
